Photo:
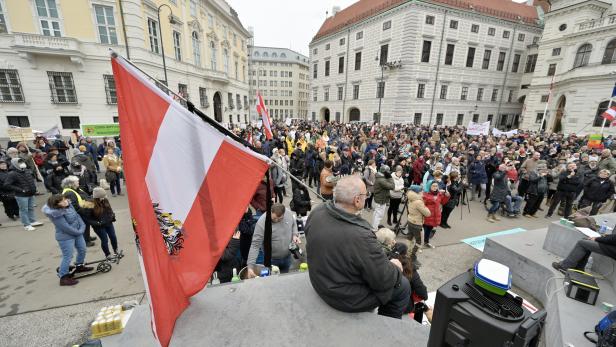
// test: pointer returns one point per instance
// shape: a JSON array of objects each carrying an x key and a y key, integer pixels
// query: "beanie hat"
[
  {"x": 416, "y": 188},
  {"x": 99, "y": 193},
  {"x": 384, "y": 169}
]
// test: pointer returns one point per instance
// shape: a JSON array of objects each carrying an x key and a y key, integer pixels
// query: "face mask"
[
  {"x": 22, "y": 166},
  {"x": 53, "y": 162}
]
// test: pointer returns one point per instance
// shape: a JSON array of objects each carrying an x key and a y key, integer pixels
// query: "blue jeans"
[
  {"x": 67, "y": 247},
  {"x": 107, "y": 233},
  {"x": 495, "y": 206},
  {"x": 516, "y": 201},
  {"x": 283, "y": 264},
  {"x": 26, "y": 209}
]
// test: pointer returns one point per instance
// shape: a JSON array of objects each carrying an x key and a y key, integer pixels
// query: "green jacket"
[
  {"x": 382, "y": 186},
  {"x": 607, "y": 163}
]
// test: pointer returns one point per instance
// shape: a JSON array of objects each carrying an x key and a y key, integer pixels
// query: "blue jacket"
[
  {"x": 68, "y": 223},
  {"x": 477, "y": 173}
]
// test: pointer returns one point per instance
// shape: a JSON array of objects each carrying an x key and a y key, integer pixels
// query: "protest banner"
[
  {"x": 509, "y": 133},
  {"x": 478, "y": 128},
  {"x": 99, "y": 130},
  {"x": 20, "y": 134}
]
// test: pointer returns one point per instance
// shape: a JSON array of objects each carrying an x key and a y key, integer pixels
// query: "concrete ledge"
[
  {"x": 275, "y": 311},
  {"x": 531, "y": 266}
]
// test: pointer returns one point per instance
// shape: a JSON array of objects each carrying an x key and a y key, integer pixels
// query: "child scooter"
[{"x": 104, "y": 265}]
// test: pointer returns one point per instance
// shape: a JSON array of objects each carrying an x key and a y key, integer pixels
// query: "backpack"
[{"x": 605, "y": 330}]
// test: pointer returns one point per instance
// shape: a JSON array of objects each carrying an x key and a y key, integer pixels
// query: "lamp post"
[
  {"x": 162, "y": 45},
  {"x": 385, "y": 65}
]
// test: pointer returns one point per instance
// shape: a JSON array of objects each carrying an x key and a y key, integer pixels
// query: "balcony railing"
[
  {"x": 27, "y": 42},
  {"x": 596, "y": 23}
]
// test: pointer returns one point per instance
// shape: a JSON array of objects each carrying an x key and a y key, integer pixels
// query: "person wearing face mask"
[
  {"x": 69, "y": 234},
  {"x": 6, "y": 195},
  {"x": 395, "y": 196},
  {"x": 348, "y": 268},
  {"x": 607, "y": 161},
  {"x": 596, "y": 191},
  {"x": 21, "y": 182}
]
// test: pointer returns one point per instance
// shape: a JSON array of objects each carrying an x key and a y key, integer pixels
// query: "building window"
[
  {"x": 516, "y": 63},
  {"x": 314, "y": 94},
  {"x": 464, "y": 94},
  {"x": 236, "y": 70},
  {"x": 475, "y": 28},
  {"x": 383, "y": 56},
  {"x": 342, "y": 40},
  {"x": 70, "y": 122},
  {"x": 106, "y": 24},
  {"x": 479, "y": 94},
  {"x": 387, "y": 25},
  {"x": 430, "y": 20},
  {"x": 196, "y": 48},
  {"x": 494, "y": 94},
  {"x": 110, "y": 90},
  {"x": 340, "y": 92},
  {"x": 48, "y": 17},
  {"x": 3, "y": 27},
  {"x": 213, "y": 62},
  {"x": 609, "y": 57},
  {"x": 314, "y": 70},
  {"x": 598, "y": 116},
  {"x": 326, "y": 94},
  {"x": 421, "y": 90},
  {"x": 246, "y": 106},
  {"x": 327, "y": 47},
  {"x": 230, "y": 100},
  {"x": 510, "y": 97},
  {"x": 18, "y": 121},
  {"x": 359, "y": 35},
  {"x": 470, "y": 57},
  {"x": 176, "y": 45},
  {"x": 531, "y": 61},
  {"x": 544, "y": 98},
  {"x": 425, "y": 51},
  {"x": 538, "y": 118},
  {"x": 62, "y": 87},
  {"x": 314, "y": 51},
  {"x": 453, "y": 24},
  {"x": 357, "y": 61},
  {"x": 490, "y": 117},
  {"x": 380, "y": 89},
  {"x": 551, "y": 69},
  {"x": 443, "y": 95},
  {"x": 203, "y": 97},
  {"x": 210, "y": 20},
  {"x": 225, "y": 60},
  {"x": 153, "y": 33},
  {"x": 10, "y": 86},
  {"x": 341, "y": 65},
  {"x": 193, "y": 8},
  {"x": 501, "y": 61},
  {"x": 535, "y": 40},
  {"x": 583, "y": 55},
  {"x": 555, "y": 52},
  {"x": 521, "y": 37},
  {"x": 238, "y": 101},
  {"x": 417, "y": 119},
  {"x": 439, "y": 119},
  {"x": 327, "y": 68},
  {"x": 449, "y": 54},
  {"x": 475, "y": 118},
  {"x": 491, "y": 31},
  {"x": 460, "y": 119},
  {"x": 486, "y": 59},
  {"x": 355, "y": 91},
  {"x": 505, "y": 34}
]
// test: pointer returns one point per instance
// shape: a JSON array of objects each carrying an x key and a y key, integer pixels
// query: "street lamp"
[
  {"x": 385, "y": 65},
  {"x": 162, "y": 45}
]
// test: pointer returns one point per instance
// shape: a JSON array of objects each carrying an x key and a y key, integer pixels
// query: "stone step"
[{"x": 532, "y": 271}]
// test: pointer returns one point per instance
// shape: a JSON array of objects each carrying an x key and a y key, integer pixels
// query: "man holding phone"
[{"x": 566, "y": 190}]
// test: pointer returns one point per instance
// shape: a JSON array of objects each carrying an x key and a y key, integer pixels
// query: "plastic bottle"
[
  {"x": 215, "y": 279},
  {"x": 588, "y": 266},
  {"x": 603, "y": 228},
  {"x": 275, "y": 270},
  {"x": 235, "y": 277},
  {"x": 303, "y": 267}
]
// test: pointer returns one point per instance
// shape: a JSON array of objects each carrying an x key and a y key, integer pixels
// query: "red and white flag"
[
  {"x": 188, "y": 186},
  {"x": 609, "y": 114},
  {"x": 262, "y": 110}
]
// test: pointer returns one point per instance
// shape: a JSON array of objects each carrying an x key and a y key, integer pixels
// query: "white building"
[
  {"x": 577, "y": 50},
  {"x": 55, "y": 67},
  {"x": 281, "y": 77},
  {"x": 432, "y": 61}
]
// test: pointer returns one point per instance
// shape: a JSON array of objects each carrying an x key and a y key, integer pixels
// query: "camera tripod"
[{"x": 400, "y": 227}]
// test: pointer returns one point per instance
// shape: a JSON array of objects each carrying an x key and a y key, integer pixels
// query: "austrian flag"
[
  {"x": 188, "y": 186},
  {"x": 610, "y": 114}
]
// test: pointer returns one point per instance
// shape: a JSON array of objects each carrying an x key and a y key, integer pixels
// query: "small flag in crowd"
[
  {"x": 610, "y": 114},
  {"x": 262, "y": 111},
  {"x": 188, "y": 186}
]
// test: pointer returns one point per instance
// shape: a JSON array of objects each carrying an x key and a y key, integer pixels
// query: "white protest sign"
[
  {"x": 17, "y": 134},
  {"x": 288, "y": 122},
  {"x": 478, "y": 128},
  {"x": 509, "y": 133}
]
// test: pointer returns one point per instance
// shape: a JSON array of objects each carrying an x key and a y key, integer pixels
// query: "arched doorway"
[
  {"x": 354, "y": 115},
  {"x": 557, "y": 126},
  {"x": 217, "y": 107},
  {"x": 325, "y": 114}
]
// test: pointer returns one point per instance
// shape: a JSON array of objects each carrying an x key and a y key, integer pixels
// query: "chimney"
[{"x": 335, "y": 10}]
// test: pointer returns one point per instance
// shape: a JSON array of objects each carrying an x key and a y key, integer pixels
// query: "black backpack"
[{"x": 605, "y": 331}]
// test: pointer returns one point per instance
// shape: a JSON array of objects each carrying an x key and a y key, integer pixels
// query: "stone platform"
[{"x": 274, "y": 311}]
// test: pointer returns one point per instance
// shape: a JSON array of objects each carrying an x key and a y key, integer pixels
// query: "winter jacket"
[
  {"x": 455, "y": 191},
  {"x": 301, "y": 200},
  {"x": 76, "y": 201},
  {"x": 53, "y": 181},
  {"x": 477, "y": 173},
  {"x": 553, "y": 178},
  {"x": 566, "y": 184},
  {"x": 84, "y": 160},
  {"x": 370, "y": 178},
  {"x": 297, "y": 164},
  {"x": 500, "y": 190},
  {"x": 396, "y": 193},
  {"x": 608, "y": 163},
  {"x": 417, "y": 210},
  {"x": 598, "y": 190},
  {"x": 382, "y": 186},
  {"x": 67, "y": 221},
  {"x": 5, "y": 193},
  {"x": 229, "y": 261},
  {"x": 279, "y": 177},
  {"x": 348, "y": 268},
  {"x": 537, "y": 184},
  {"x": 327, "y": 187},
  {"x": 21, "y": 182},
  {"x": 112, "y": 162},
  {"x": 434, "y": 202},
  {"x": 87, "y": 213},
  {"x": 607, "y": 243}
]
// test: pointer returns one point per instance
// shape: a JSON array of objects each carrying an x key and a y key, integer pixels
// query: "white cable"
[{"x": 547, "y": 284}]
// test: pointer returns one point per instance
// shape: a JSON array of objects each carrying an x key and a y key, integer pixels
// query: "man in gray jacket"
[{"x": 284, "y": 231}]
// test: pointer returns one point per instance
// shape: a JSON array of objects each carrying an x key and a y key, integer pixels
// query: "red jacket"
[{"x": 434, "y": 203}]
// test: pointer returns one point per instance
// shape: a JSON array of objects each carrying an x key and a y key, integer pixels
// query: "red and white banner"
[
  {"x": 609, "y": 114},
  {"x": 188, "y": 186},
  {"x": 262, "y": 110}
]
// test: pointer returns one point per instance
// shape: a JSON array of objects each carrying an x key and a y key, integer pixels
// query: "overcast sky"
[{"x": 286, "y": 23}]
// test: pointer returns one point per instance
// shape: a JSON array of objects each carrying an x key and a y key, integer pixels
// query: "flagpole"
[
  {"x": 222, "y": 129},
  {"x": 545, "y": 110}
]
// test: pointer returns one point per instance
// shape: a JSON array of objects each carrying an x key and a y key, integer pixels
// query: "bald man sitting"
[{"x": 348, "y": 268}]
